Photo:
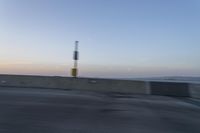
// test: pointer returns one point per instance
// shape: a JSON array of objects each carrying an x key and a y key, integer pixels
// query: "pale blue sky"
[{"x": 118, "y": 38}]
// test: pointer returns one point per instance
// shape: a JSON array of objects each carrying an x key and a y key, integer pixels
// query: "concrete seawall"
[
  {"x": 194, "y": 90},
  {"x": 103, "y": 85},
  {"x": 91, "y": 84},
  {"x": 169, "y": 89}
]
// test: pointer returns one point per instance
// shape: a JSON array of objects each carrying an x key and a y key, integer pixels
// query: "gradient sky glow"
[{"x": 118, "y": 38}]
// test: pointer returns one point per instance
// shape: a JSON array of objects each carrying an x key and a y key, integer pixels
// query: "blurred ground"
[{"x": 26, "y": 110}]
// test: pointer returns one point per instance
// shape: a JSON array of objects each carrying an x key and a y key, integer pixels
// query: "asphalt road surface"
[{"x": 28, "y": 110}]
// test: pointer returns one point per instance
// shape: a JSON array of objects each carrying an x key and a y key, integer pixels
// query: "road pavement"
[{"x": 34, "y": 110}]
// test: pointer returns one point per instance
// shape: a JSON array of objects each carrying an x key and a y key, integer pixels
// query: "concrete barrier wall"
[
  {"x": 103, "y": 85},
  {"x": 194, "y": 90},
  {"x": 170, "y": 89}
]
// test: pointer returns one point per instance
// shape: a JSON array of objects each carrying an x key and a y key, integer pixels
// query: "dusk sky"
[{"x": 118, "y": 38}]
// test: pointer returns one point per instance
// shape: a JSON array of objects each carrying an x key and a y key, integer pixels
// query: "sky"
[{"x": 117, "y": 38}]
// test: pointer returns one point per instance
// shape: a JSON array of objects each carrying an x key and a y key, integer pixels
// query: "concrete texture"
[
  {"x": 34, "y": 110},
  {"x": 105, "y": 85},
  {"x": 170, "y": 89},
  {"x": 177, "y": 89},
  {"x": 194, "y": 90}
]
